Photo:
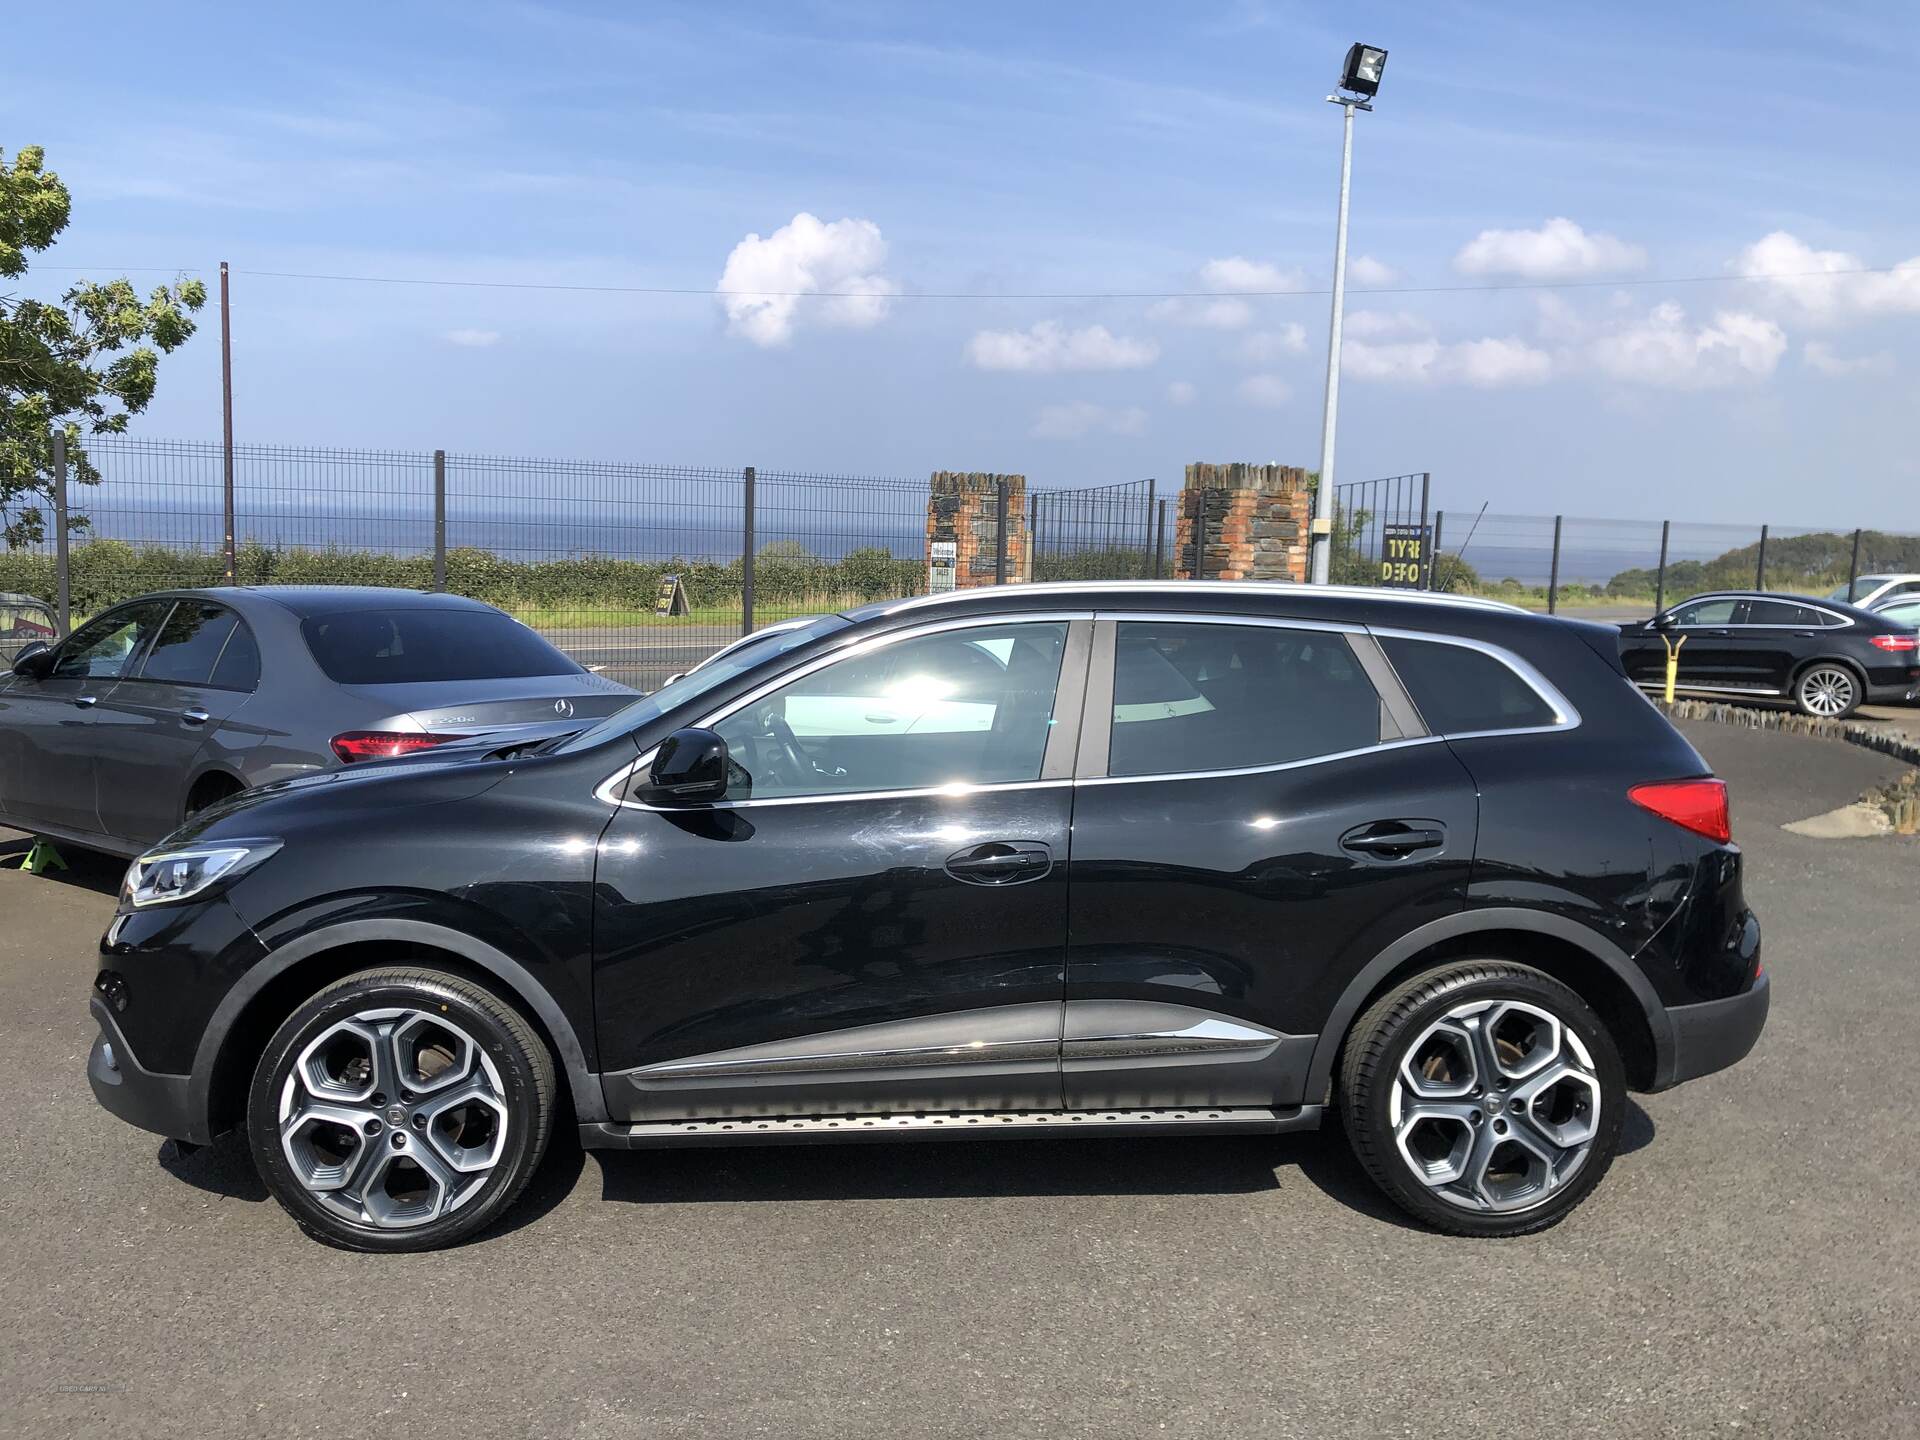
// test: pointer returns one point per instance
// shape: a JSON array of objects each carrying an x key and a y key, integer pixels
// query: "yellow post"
[{"x": 1673, "y": 661}]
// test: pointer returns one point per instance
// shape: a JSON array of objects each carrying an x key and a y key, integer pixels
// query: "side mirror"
[
  {"x": 690, "y": 767},
  {"x": 35, "y": 660},
  {"x": 1662, "y": 622}
]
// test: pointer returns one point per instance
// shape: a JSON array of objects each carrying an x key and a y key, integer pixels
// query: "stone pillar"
[
  {"x": 963, "y": 510},
  {"x": 1256, "y": 521}
]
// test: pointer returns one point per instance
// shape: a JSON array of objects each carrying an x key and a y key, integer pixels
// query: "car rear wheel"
[
  {"x": 1485, "y": 1098},
  {"x": 400, "y": 1109},
  {"x": 1827, "y": 691}
]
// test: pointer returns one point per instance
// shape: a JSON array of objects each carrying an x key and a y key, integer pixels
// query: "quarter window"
[
  {"x": 1459, "y": 690},
  {"x": 971, "y": 706},
  {"x": 1231, "y": 697}
]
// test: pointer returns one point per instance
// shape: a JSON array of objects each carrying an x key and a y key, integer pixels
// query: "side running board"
[{"x": 949, "y": 1125}]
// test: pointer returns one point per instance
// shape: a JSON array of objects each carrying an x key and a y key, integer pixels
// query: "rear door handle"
[
  {"x": 195, "y": 716},
  {"x": 1001, "y": 862},
  {"x": 86, "y": 702},
  {"x": 1392, "y": 839}
]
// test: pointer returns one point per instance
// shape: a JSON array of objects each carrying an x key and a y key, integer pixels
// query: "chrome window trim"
[
  {"x": 1275, "y": 589},
  {"x": 1276, "y": 766},
  {"x": 1566, "y": 717},
  {"x": 1836, "y": 619},
  {"x": 607, "y": 791}
]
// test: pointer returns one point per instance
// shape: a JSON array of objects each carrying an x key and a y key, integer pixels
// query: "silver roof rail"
[{"x": 1235, "y": 587}]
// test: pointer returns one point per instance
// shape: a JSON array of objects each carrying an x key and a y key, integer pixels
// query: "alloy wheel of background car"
[
  {"x": 1827, "y": 691},
  {"x": 1485, "y": 1098},
  {"x": 400, "y": 1110}
]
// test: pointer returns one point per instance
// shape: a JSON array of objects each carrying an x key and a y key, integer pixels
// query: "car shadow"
[{"x": 84, "y": 870}]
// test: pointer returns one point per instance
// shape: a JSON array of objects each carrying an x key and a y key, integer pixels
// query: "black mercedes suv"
[{"x": 1084, "y": 859}]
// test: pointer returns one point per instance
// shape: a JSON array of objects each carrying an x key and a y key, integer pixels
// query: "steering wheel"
[{"x": 791, "y": 756}]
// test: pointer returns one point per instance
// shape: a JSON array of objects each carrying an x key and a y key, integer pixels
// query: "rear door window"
[
  {"x": 1460, "y": 690},
  {"x": 1190, "y": 697},
  {"x": 189, "y": 643},
  {"x": 406, "y": 646}
]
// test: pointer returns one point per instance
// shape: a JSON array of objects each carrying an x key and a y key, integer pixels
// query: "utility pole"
[{"x": 226, "y": 413}]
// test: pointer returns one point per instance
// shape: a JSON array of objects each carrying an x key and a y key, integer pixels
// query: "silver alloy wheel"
[
  {"x": 1827, "y": 690},
  {"x": 1495, "y": 1106},
  {"x": 393, "y": 1118}
]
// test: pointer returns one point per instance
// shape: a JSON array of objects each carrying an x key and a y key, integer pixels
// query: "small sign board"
[
  {"x": 942, "y": 557},
  {"x": 672, "y": 599},
  {"x": 1403, "y": 557}
]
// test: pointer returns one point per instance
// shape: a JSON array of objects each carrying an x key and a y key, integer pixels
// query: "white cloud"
[
  {"x": 1181, "y": 392},
  {"x": 1070, "y": 422},
  {"x": 1222, "y": 314},
  {"x": 768, "y": 277},
  {"x": 1371, "y": 324},
  {"x": 1266, "y": 346},
  {"x": 1814, "y": 286},
  {"x": 1735, "y": 347},
  {"x": 1237, "y": 274},
  {"x": 1366, "y": 270},
  {"x": 1558, "y": 250},
  {"x": 473, "y": 339},
  {"x": 1820, "y": 356},
  {"x": 1049, "y": 345},
  {"x": 1488, "y": 364},
  {"x": 1267, "y": 392}
]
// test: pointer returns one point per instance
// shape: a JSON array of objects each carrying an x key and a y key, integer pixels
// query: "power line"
[{"x": 716, "y": 293}]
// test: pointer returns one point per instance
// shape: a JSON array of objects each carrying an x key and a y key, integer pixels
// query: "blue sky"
[{"x": 1059, "y": 148}]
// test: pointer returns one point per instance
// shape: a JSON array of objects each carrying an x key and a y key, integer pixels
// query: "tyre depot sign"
[{"x": 1403, "y": 557}]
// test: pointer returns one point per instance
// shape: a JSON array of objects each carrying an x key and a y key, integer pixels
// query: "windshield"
[
  {"x": 710, "y": 675},
  {"x": 1860, "y": 589}
]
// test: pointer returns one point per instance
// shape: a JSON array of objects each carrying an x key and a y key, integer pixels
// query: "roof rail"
[{"x": 1238, "y": 587}]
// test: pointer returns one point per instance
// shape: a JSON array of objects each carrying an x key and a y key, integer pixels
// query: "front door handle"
[
  {"x": 1001, "y": 862},
  {"x": 1393, "y": 839},
  {"x": 195, "y": 716},
  {"x": 86, "y": 702}
]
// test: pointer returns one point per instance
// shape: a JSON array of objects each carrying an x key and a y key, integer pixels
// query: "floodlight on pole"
[{"x": 1359, "y": 83}]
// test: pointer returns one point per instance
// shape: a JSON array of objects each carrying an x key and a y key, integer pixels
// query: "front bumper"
[
  {"x": 151, "y": 1099},
  {"x": 1714, "y": 1034}
]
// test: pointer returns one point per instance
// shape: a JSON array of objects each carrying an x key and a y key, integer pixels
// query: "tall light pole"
[{"x": 1359, "y": 83}]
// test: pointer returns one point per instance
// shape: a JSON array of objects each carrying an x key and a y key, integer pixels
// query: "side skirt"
[{"x": 950, "y": 1125}]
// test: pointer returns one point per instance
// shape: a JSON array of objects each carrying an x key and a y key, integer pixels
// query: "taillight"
[
  {"x": 1696, "y": 805},
  {"x": 356, "y": 745},
  {"x": 1894, "y": 644}
]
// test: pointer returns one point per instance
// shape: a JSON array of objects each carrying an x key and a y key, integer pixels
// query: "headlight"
[{"x": 161, "y": 877}]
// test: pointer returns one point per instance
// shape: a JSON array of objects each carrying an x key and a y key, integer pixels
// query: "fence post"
[
  {"x": 62, "y": 578},
  {"x": 1426, "y": 497},
  {"x": 1149, "y": 521},
  {"x": 1553, "y": 575},
  {"x": 1433, "y": 565},
  {"x": 1660, "y": 581},
  {"x": 746, "y": 551},
  {"x": 1000, "y": 531},
  {"x": 1159, "y": 539},
  {"x": 439, "y": 520},
  {"x": 1760, "y": 566},
  {"x": 1033, "y": 537},
  {"x": 1853, "y": 566}
]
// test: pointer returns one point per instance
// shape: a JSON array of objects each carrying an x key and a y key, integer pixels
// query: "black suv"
[
  {"x": 1111, "y": 859},
  {"x": 1825, "y": 656}
]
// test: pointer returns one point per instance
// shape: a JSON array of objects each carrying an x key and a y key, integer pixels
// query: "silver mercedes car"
[{"x": 161, "y": 706}]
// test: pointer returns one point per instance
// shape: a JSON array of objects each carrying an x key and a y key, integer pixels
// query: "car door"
[
  {"x": 1709, "y": 660},
  {"x": 49, "y": 727},
  {"x": 1773, "y": 639},
  {"x": 875, "y": 918},
  {"x": 1258, "y": 812},
  {"x": 153, "y": 726}
]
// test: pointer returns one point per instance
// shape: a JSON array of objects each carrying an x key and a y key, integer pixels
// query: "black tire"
[
  {"x": 1846, "y": 686},
  {"x": 507, "y": 1058},
  {"x": 1369, "y": 1075}
]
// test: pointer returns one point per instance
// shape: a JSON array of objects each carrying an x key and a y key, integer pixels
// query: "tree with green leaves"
[{"x": 83, "y": 365}]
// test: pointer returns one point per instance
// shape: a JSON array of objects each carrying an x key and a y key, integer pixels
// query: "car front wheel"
[
  {"x": 1484, "y": 1099},
  {"x": 400, "y": 1109}
]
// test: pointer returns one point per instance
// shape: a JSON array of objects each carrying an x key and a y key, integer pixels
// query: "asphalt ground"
[{"x": 1751, "y": 1264}]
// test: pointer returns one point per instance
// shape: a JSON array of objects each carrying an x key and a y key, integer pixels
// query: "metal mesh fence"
[
  {"x": 1104, "y": 532},
  {"x": 1372, "y": 522}
]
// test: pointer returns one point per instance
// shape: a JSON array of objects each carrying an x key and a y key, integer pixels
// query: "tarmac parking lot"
[{"x": 1752, "y": 1263}]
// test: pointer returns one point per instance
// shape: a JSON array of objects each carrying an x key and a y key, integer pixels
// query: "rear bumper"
[
  {"x": 150, "y": 1099},
  {"x": 1898, "y": 694},
  {"x": 1714, "y": 1034}
]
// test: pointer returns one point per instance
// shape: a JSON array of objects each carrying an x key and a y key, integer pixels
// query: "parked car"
[
  {"x": 24, "y": 620},
  {"x": 1220, "y": 858},
  {"x": 1900, "y": 612},
  {"x": 155, "y": 709},
  {"x": 1824, "y": 656},
  {"x": 1870, "y": 591}
]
